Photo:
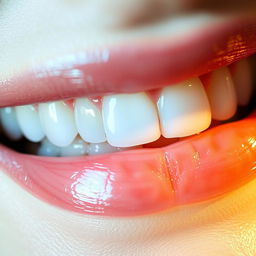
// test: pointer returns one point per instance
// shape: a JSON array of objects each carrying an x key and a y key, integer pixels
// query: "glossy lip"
[
  {"x": 144, "y": 181},
  {"x": 131, "y": 68},
  {"x": 139, "y": 181}
]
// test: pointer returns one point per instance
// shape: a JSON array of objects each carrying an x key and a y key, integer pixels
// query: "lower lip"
[{"x": 143, "y": 181}]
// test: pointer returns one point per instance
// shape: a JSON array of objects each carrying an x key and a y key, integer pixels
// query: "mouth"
[{"x": 134, "y": 130}]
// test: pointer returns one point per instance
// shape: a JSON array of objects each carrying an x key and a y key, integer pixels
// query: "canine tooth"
[
  {"x": 58, "y": 123},
  {"x": 89, "y": 121},
  {"x": 242, "y": 77},
  {"x": 10, "y": 124},
  {"x": 29, "y": 122},
  {"x": 130, "y": 119},
  {"x": 184, "y": 109},
  {"x": 77, "y": 148},
  {"x": 48, "y": 149},
  {"x": 221, "y": 94}
]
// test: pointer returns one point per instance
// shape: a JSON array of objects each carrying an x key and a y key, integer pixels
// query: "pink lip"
[
  {"x": 139, "y": 181},
  {"x": 142, "y": 181},
  {"x": 132, "y": 68}
]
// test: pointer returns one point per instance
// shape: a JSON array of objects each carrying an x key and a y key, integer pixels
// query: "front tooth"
[
  {"x": 48, "y": 149},
  {"x": 130, "y": 119},
  {"x": 221, "y": 94},
  {"x": 10, "y": 124},
  {"x": 77, "y": 148},
  {"x": 184, "y": 109},
  {"x": 242, "y": 77},
  {"x": 29, "y": 122},
  {"x": 89, "y": 121},
  {"x": 58, "y": 123}
]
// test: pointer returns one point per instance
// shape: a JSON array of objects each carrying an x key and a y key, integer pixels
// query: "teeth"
[
  {"x": 242, "y": 77},
  {"x": 58, "y": 123},
  {"x": 48, "y": 149},
  {"x": 29, "y": 123},
  {"x": 184, "y": 109},
  {"x": 130, "y": 119},
  {"x": 101, "y": 148},
  {"x": 77, "y": 148},
  {"x": 10, "y": 124},
  {"x": 89, "y": 121},
  {"x": 222, "y": 95}
]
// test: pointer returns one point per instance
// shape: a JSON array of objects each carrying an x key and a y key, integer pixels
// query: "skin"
[{"x": 32, "y": 31}]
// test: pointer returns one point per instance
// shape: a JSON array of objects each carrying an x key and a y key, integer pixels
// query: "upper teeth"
[
  {"x": 184, "y": 109},
  {"x": 126, "y": 120}
]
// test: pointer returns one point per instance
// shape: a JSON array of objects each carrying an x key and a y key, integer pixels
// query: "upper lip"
[{"x": 131, "y": 68}]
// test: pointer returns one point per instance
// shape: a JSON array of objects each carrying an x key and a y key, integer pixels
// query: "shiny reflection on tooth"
[
  {"x": 101, "y": 148},
  {"x": 130, "y": 119},
  {"x": 77, "y": 148},
  {"x": 242, "y": 77},
  {"x": 29, "y": 122},
  {"x": 184, "y": 109},
  {"x": 221, "y": 93},
  {"x": 89, "y": 121},
  {"x": 58, "y": 123},
  {"x": 10, "y": 124}
]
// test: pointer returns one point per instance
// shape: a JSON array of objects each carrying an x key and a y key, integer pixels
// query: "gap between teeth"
[{"x": 124, "y": 121}]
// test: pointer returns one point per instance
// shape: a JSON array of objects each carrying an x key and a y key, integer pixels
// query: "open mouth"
[{"x": 135, "y": 144}]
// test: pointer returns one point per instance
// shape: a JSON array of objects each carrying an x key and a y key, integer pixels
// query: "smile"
[{"x": 133, "y": 130}]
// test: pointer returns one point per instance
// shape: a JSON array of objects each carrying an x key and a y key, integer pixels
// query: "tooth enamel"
[
  {"x": 184, "y": 109},
  {"x": 48, "y": 149},
  {"x": 89, "y": 121},
  {"x": 29, "y": 123},
  {"x": 130, "y": 119},
  {"x": 10, "y": 124},
  {"x": 101, "y": 148},
  {"x": 221, "y": 94},
  {"x": 58, "y": 123},
  {"x": 242, "y": 77},
  {"x": 77, "y": 148}
]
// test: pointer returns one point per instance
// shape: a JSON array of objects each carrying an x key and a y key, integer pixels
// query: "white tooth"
[
  {"x": 29, "y": 122},
  {"x": 89, "y": 121},
  {"x": 221, "y": 94},
  {"x": 10, "y": 124},
  {"x": 104, "y": 148},
  {"x": 48, "y": 149},
  {"x": 77, "y": 148},
  {"x": 58, "y": 123},
  {"x": 101, "y": 148},
  {"x": 130, "y": 119},
  {"x": 184, "y": 109},
  {"x": 242, "y": 77}
]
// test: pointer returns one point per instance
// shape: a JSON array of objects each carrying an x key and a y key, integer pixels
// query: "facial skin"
[{"x": 32, "y": 31}]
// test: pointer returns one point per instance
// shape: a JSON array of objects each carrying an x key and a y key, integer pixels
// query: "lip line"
[{"x": 128, "y": 68}]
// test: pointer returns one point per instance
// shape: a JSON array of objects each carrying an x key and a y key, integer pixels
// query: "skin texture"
[{"x": 32, "y": 31}]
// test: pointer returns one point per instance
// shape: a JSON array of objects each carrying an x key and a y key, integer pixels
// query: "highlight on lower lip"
[{"x": 142, "y": 181}]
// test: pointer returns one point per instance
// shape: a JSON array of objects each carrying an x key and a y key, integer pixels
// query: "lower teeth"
[{"x": 77, "y": 148}]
